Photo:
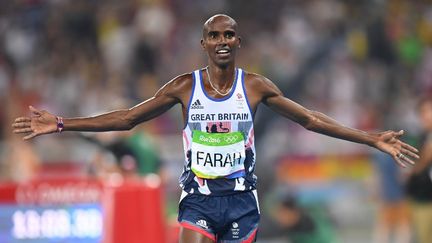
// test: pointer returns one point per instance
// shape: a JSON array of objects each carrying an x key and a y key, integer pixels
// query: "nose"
[{"x": 222, "y": 40}]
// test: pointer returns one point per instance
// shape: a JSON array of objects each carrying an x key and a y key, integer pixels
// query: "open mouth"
[{"x": 223, "y": 52}]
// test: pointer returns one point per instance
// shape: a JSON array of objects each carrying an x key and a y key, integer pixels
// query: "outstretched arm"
[
  {"x": 43, "y": 122},
  {"x": 387, "y": 142}
]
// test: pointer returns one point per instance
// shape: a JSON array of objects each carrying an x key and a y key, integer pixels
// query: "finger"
[
  {"x": 406, "y": 159},
  {"x": 34, "y": 111},
  {"x": 21, "y": 124},
  {"x": 23, "y": 119},
  {"x": 396, "y": 135},
  {"x": 23, "y": 130},
  {"x": 388, "y": 133},
  {"x": 30, "y": 136},
  {"x": 409, "y": 147},
  {"x": 400, "y": 133},
  {"x": 409, "y": 153},
  {"x": 399, "y": 161}
]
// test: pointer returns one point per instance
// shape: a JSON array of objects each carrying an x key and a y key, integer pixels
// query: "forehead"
[{"x": 220, "y": 23}]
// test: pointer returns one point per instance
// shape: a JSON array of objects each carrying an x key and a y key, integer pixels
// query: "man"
[
  {"x": 301, "y": 223},
  {"x": 218, "y": 102},
  {"x": 419, "y": 184}
]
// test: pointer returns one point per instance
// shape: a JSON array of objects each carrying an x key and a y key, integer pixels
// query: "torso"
[
  {"x": 215, "y": 163},
  {"x": 252, "y": 82}
]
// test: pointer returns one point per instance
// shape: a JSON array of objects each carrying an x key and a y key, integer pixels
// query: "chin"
[{"x": 224, "y": 63}]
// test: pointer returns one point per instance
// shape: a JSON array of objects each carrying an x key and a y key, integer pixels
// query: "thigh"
[{"x": 191, "y": 236}]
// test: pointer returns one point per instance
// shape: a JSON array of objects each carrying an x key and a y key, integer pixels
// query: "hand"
[
  {"x": 389, "y": 142},
  {"x": 41, "y": 122}
]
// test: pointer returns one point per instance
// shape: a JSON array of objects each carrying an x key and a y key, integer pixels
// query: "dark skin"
[{"x": 220, "y": 41}]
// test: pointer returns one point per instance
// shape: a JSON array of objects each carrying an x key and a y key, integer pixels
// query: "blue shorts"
[{"x": 231, "y": 219}]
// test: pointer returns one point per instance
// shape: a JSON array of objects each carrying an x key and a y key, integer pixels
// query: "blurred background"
[{"x": 364, "y": 63}]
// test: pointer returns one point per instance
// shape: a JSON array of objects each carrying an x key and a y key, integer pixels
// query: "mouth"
[{"x": 223, "y": 52}]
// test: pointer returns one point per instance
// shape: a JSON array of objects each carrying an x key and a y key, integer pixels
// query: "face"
[
  {"x": 220, "y": 40},
  {"x": 426, "y": 115}
]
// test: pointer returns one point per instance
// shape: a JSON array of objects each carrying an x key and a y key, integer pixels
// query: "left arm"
[{"x": 387, "y": 142}]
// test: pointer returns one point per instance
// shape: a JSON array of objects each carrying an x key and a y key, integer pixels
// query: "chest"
[{"x": 204, "y": 106}]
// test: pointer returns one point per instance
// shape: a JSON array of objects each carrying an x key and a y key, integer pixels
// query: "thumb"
[{"x": 34, "y": 111}]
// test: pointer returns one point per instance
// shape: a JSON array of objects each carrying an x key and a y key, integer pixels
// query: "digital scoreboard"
[
  {"x": 74, "y": 223},
  {"x": 44, "y": 211},
  {"x": 82, "y": 210}
]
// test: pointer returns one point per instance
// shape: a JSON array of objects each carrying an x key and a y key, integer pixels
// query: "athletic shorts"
[{"x": 228, "y": 219}]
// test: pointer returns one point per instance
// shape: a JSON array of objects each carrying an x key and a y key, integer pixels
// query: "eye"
[
  {"x": 229, "y": 35},
  {"x": 212, "y": 35}
]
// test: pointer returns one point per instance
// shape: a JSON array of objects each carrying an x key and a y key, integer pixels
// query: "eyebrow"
[{"x": 217, "y": 32}]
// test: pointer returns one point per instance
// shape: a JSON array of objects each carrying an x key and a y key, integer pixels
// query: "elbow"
[
  {"x": 126, "y": 122},
  {"x": 128, "y": 126},
  {"x": 310, "y": 123}
]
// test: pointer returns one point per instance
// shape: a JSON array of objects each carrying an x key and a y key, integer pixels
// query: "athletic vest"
[{"x": 218, "y": 141}]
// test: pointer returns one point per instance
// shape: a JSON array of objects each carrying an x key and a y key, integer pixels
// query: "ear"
[
  {"x": 202, "y": 44},
  {"x": 239, "y": 41}
]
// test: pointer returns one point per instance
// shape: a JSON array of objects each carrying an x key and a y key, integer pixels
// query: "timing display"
[{"x": 82, "y": 222}]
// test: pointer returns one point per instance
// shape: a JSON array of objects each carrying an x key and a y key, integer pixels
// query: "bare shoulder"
[
  {"x": 178, "y": 88},
  {"x": 178, "y": 85},
  {"x": 260, "y": 85},
  {"x": 255, "y": 79}
]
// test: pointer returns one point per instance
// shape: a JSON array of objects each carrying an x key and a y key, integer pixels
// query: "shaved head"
[
  {"x": 216, "y": 18},
  {"x": 220, "y": 39}
]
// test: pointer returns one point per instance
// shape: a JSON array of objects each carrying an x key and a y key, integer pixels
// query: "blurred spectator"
[
  {"x": 135, "y": 153},
  {"x": 302, "y": 224},
  {"x": 419, "y": 185},
  {"x": 393, "y": 223},
  {"x": 146, "y": 154}
]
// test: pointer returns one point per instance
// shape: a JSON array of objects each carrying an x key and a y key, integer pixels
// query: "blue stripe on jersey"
[
  {"x": 244, "y": 91},
  {"x": 190, "y": 99}
]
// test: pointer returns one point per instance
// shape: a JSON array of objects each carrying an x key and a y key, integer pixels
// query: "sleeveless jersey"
[{"x": 218, "y": 141}]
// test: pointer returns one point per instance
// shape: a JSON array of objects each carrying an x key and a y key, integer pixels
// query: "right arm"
[
  {"x": 124, "y": 119},
  {"x": 42, "y": 122}
]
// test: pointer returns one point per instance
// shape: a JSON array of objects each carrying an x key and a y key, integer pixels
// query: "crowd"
[{"x": 364, "y": 63}]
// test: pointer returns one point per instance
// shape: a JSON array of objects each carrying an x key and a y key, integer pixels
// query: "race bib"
[{"x": 218, "y": 155}]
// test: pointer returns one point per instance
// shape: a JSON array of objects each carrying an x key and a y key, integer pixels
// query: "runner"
[{"x": 219, "y": 202}]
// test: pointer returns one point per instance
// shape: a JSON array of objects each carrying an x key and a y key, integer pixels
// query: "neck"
[{"x": 221, "y": 76}]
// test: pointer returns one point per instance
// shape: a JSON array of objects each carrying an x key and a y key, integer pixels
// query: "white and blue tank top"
[{"x": 218, "y": 141}]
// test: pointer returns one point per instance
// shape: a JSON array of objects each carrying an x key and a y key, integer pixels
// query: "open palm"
[
  {"x": 40, "y": 122},
  {"x": 389, "y": 142}
]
